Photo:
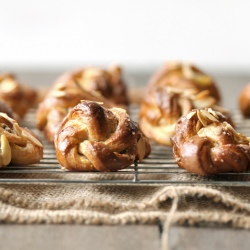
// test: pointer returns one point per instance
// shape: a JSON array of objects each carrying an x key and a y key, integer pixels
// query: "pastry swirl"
[
  {"x": 94, "y": 138},
  {"x": 109, "y": 83},
  {"x": 172, "y": 93},
  {"x": 244, "y": 100},
  {"x": 163, "y": 106},
  {"x": 20, "y": 98},
  {"x": 206, "y": 144},
  {"x": 19, "y": 145},
  {"x": 185, "y": 76},
  {"x": 88, "y": 84}
]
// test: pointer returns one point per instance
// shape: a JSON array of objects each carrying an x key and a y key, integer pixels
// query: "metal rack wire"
[{"x": 158, "y": 169}]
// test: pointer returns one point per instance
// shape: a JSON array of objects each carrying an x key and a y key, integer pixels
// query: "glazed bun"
[
  {"x": 20, "y": 98},
  {"x": 185, "y": 76},
  {"x": 94, "y": 138},
  {"x": 205, "y": 143},
  {"x": 69, "y": 89},
  {"x": 19, "y": 145},
  {"x": 172, "y": 93},
  {"x": 244, "y": 100}
]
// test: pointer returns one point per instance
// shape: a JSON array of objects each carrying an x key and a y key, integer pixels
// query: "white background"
[{"x": 55, "y": 33}]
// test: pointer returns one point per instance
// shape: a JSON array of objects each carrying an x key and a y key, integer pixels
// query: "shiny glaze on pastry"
[
  {"x": 94, "y": 138},
  {"x": 88, "y": 84},
  {"x": 19, "y": 145},
  {"x": 206, "y": 144}
]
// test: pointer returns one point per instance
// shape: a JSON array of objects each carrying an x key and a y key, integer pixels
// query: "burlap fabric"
[{"x": 116, "y": 204}]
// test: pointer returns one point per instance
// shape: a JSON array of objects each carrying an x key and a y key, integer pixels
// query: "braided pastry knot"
[
  {"x": 5, "y": 108},
  {"x": 163, "y": 106},
  {"x": 174, "y": 91},
  {"x": 17, "y": 96},
  {"x": 107, "y": 82},
  {"x": 244, "y": 100},
  {"x": 185, "y": 76},
  {"x": 88, "y": 84},
  {"x": 205, "y": 143},
  {"x": 18, "y": 145},
  {"x": 93, "y": 138}
]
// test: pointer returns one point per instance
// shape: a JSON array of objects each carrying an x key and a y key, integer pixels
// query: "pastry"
[
  {"x": 94, "y": 138},
  {"x": 20, "y": 98},
  {"x": 205, "y": 143},
  {"x": 163, "y": 106},
  {"x": 89, "y": 84},
  {"x": 244, "y": 100},
  {"x": 108, "y": 83},
  {"x": 5, "y": 108},
  {"x": 19, "y": 146},
  {"x": 172, "y": 93},
  {"x": 185, "y": 76}
]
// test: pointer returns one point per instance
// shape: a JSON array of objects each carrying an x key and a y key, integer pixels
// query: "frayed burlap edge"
[
  {"x": 130, "y": 217},
  {"x": 141, "y": 212}
]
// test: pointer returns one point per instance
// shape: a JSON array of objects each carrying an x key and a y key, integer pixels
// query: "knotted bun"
[
  {"x": 5, "y": 108},
  {"x": 205, "y": 143},
  {"x": 19, "y": 145},
  {"x": 163, "y": 106},
  {"x": 20, "y": 98},
  {"x": 185, "y": 76},
  {"x": 172, "y": 93},
  {"x": 109, "y": 83},
  {"x": 244, "y": 100},
  {"x": 94, "y": 138},
  {"x": 69, "y": 89}
]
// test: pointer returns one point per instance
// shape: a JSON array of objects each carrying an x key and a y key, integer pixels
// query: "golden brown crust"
[
  {"x": 20, "y": 98},
  {"x": 204, "y": 143},
  {"x": 244, "y": 100},
  {"x": 73, "y": 87},
  {"x": 185, "y": 76},
  {"x": 93, "y": 138},
  {"x": 19, "y": 145},
  {"x": 5, "y": 108},
  {"x": 108, "y": 83},
  {"x": 172, "y": 93},
  {"x": 163, "y": 106}
]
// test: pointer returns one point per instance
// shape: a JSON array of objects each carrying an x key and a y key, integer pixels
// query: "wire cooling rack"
[{"x": 158, "y": 169}]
